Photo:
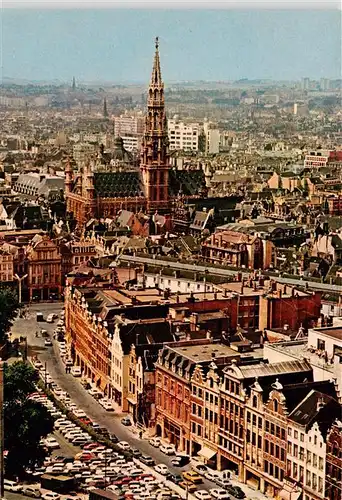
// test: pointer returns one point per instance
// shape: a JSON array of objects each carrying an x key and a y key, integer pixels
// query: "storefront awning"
[
  {"x": 287, "y": 494},
  {"x": 131, "y": 401},
  {"x": 207, "y": 453}
]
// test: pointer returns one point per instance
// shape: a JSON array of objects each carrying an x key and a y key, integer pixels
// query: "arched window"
[{"x": 255, "y": 402}]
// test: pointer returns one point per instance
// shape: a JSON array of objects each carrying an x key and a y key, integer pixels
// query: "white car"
[
  {"x": 79, "y": 413},
  {"x": 168, "y": 449},
  {"x": 124, "y": 445},
  {"x": 76, "y": 371},
  {"x": 50, "y": 495},
  {"x": 47, "y": 343},
  {"x": 32, "y": 491},
  {"x": 50, "y": 318},
  {"x": 162, "y": 469},
  {"x": 212, "y": 475},
  {"x": 202, "y": 495},
  {"x": 12, "y": 486},
  {"x": 37, "y": 364},
  {"x": 51, "y": 443},
  {"x": 156, "y": 442},
  {"x": 61, "y": 422},
  {"x": 107, "y": 405},
  {"x": 219, "y": 494}
]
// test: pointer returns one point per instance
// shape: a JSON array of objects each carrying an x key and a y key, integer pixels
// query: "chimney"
[{"x": 320, "y": 404}]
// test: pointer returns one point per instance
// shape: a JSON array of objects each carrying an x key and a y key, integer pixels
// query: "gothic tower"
[{"x": 154, "y": 151}]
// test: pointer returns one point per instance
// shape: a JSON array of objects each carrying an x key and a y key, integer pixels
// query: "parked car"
[
  {"x": 161, "y": 469},
  {"x": 51, "y": 443},
  {"x": 47, "y": 343},
  {"x": 12, "y": 486},
  {"x": 76, "y": 371},
  {"x": 155, "y": 441},
  {"x": 124, "y": 445},
  {"x": 200, "y": 468},
  {"x": 145, "y": 459},
  {"x": 223, "y": 483},
  {"x": 236, "y": 491},
  {"x": 175, "y": 478},
  {"x": 50, "y": 318},
  {"x": 51, "y": 495},
  {"x": 126, "y": 421},
  {"x": 212, "y": 475},
  {"x": 192, "y": 476},
  {"x": 180, "y": 460},
  {"x": 168, "y": 449},
  {"x": 219, "y": 494},
  {"x": 202, "y": 495},
  {"x": 31, "y": 491},
  {"x": 186, "y": 485}
]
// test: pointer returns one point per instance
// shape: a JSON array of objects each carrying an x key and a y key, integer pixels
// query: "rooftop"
[{"x": 204, "y": 353}]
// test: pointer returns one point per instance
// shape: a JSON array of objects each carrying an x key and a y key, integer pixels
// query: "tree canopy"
[
  {"x": 8, "y": 309},
  {"x": 25, "y": 420}
]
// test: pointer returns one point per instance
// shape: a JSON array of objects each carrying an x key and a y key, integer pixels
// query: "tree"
[
  {"x": 26, "y": 421},
  {"x": 8, "y": 309}
]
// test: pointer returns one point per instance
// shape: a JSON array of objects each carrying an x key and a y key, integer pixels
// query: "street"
[{"x": 50, "y": 356}]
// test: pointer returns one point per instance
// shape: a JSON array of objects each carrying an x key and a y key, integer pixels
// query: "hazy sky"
[{"x": 117, "y": 45}]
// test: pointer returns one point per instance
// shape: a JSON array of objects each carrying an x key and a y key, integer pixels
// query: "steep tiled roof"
[
  {"x": 118, "y": 184},
  {"x": 189, "y": 182}
]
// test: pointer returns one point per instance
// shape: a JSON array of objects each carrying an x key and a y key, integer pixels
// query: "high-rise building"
[
  {"x": 305, "y": 83},
  {"x": 182, "y": 136},
  {"x": 128, "y": 125}
]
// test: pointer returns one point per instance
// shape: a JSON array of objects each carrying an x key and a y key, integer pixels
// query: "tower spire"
[
  {"x": 154, "y": 152},
  {"x": 156, "y": 73}
]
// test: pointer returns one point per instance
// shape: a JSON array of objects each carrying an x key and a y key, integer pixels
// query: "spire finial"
[{"x": 157, "y": 42}]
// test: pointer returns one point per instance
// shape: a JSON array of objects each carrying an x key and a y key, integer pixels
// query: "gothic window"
[{"x": 155, "y": 149}]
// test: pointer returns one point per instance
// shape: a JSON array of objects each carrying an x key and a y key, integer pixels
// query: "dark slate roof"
[
  {"x": 118, "y": 184},
  {"x": 189, "y": 182},
  {"x": 316, "y": 406},
  {"x": 295, "y": 393}
]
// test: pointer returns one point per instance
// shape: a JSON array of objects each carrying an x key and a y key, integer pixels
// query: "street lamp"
[{"x": 20, "y": 280}]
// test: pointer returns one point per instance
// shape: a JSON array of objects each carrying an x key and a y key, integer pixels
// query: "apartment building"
[
  {"x": 183, "y": 136},
  {"x": 6, "y": 264},
  {"x": 126, "y": 125},
  {"x": 333, "y": 472}
]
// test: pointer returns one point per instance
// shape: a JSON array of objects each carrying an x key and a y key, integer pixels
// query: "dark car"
[
  {"x": 136, "y": 453},
  {"x": 145, "y": 459},
  {"x": 114, "y": 439},
  {"x": 175, "y": 478},
  {"x": 238, "y": 493}
]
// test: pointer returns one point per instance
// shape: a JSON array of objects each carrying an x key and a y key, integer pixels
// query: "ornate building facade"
[{"x": 154, "y": 186}]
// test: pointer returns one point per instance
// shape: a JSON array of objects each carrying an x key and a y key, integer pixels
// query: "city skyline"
[{"x": 209, "y": 45}]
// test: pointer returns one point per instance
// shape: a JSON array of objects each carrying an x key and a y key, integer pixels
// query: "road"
[
  {"x": 84, "y": 401},
  {"x": 324, "y": 287}
]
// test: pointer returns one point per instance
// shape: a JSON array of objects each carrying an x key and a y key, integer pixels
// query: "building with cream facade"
[{"x": 183, "y": 136}]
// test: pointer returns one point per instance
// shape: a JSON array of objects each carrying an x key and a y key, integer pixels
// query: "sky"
[{"x": 117, "y": 45}]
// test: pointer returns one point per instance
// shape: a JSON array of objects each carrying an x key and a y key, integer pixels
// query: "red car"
[
  {"x": 87, "y": 457},
  {"x": 86, "y": 421},
  {"x": 90, "y": 446}
]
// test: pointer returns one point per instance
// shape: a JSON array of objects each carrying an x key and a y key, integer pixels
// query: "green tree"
[
  {"x": 26, "y": 421},
  {"x": 8, "y": 309}
]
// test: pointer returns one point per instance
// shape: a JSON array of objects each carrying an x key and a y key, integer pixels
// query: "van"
[{"x": 39, "y": 316}]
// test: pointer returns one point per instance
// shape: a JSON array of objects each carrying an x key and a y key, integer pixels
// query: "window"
[
  {"x": 255, "y": 402},
  {"x": 296, "y": 434},
  {"x": 302, "y": 437},
  {"x": 308, "y": 457},
  {"x": 275, "y": 405},
  {"x": 321, "y": 344},
  {"x": 320, "y": 460}
]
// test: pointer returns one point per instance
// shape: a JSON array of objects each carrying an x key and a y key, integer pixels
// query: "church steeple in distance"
[
  {"x": 105, "y": 110},
  {"x": 154, "y": 151},
  {"x": 73, "y": 87}
]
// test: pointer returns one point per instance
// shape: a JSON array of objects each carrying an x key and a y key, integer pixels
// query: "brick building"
[
  {"x": 333, "y": 471},
  {"x": 44, "y": 268}
]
